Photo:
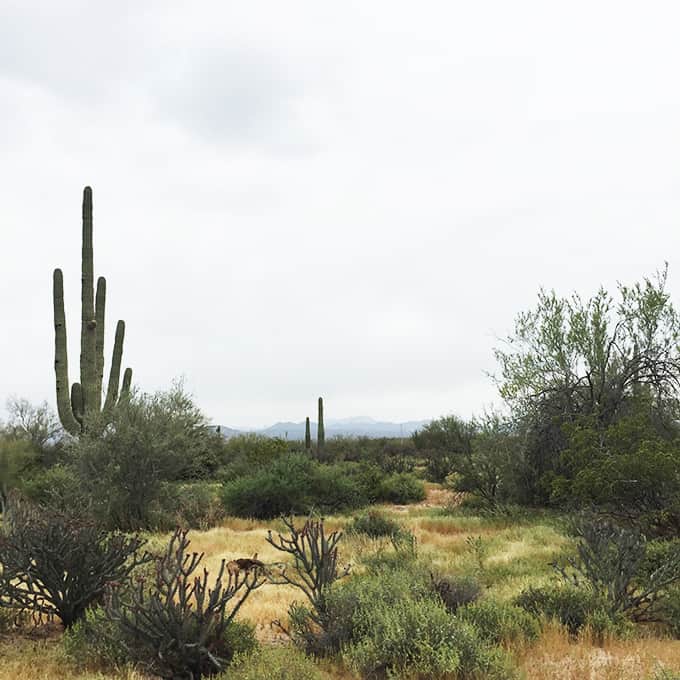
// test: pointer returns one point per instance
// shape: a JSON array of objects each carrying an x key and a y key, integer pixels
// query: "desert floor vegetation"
[{"x": 504, "y": 555}]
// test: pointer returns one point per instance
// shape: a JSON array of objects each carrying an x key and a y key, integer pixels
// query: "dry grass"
[
  {"x": 555, "y": 657},
  {"x": 515, "y": 556}
]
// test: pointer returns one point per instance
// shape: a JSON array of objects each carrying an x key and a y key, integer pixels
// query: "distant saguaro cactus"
[
  {"x": 79, "y": 410},
  {"x": 320, "y": 431},
  {"x": 308, "y": 435}
]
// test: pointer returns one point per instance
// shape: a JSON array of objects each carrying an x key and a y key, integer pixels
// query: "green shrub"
[
  {"x": 273, "y": 663},
  {"x": 401, "y": 488},
  {"x": 574, "y": 608},
  {"x": 293, "y": 484},
  {"x": 418, "y": 638},
  {"x": 671, "y": 611},
  {"x": 456, "y": 591},
  {"x": 500, "y": 622},
  {"x": 374, "y": 524},
  {"x": 347, "y": 608},
  {"x": 192, "y": 505},
  {"x": 95, "y": 640}
]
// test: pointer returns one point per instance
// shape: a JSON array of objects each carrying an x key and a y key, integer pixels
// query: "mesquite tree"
[
  {"x": 80, "y": 410},
  {"x": 179, "y": 623}
]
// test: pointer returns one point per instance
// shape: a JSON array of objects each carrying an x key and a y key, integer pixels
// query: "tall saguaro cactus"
[
  {"x": 308, "y": 435},
  {"x": 320, "y": 431},
  {"x": 79, "y": 410}
]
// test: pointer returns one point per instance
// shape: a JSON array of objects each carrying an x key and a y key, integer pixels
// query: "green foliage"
[
  {"x": 346, "y": 609},
  {"x": 296, "y": 484},
  {"x": 670, "y": 611},
  {"x": 191, "y": 505},
  {"x": 418, "y": 638},
  {"x": 293, "y": 484},
  {"x": 374, "y": 524},
  {"x": 273, "y": 663},
  {"x": 456, "y": 591},
  {"x": 570, "y": 359},
  {"x": 401, "y": 488},
  {"x": 441, "y": 441},
  {"x": 500, "y": 622},
  {"x": 95, "y": 640},
  {"x": 16, "y": 457},
  {"x": 149, "y": 442},
  {"x": 611, "y": 561},
  {"x": 573, "y": 607},
  {"x": 57, "y": 487},
  {"x": 248, "y": 453}
]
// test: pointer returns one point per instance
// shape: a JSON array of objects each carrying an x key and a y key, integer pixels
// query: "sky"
[{"x": 352, "y": 199}]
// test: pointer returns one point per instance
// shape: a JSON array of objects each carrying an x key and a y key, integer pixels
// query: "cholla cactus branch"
[
  {"x": 181, "y": 620},
  {"x": 315, "y": 558}
]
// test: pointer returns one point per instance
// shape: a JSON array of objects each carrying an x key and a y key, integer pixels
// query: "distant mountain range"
[{"x": 359, "y": 426}]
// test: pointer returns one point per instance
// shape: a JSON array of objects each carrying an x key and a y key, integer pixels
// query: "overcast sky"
[{"x": 348, "y": 199}]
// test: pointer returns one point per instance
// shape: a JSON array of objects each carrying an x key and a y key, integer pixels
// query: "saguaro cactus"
[
  {"x": 308, "y": 435},
  {"x": 320, "y": 430},
  {"x": 79, "y": 411}
]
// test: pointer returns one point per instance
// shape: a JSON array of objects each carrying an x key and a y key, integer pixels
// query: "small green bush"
[
  {"x": 574, "y": 608},
  {"x": 95, "y": 640},
  {"x": 500, "y": 622},
  {"x": 374, "y": 524},
  {"x": 418, "y": 638},
  {"x": 401, "y": 488},
  {"x": 347, "y": 608},
  {"x": 671, "y": 611},
  {"x": 293, "y": 484},
  {"x": 192, "y": 505},
  {"x": 456, "y": 591},
  {"x": 273, "y": 663}
]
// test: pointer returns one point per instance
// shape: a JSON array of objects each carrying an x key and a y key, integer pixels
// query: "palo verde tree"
[
  {"x": 80, "y": 411},
  {"x": 587, "y": 362}
]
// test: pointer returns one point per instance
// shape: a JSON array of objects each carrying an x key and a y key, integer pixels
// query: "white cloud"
[{"x": 294, "y": 199}]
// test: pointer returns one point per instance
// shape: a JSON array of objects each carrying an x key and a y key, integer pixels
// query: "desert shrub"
[
  {"x": 57, "y": 563},
  {"x": 500, "y": 622},
  {"x": 574, "y": 608},
  {"x": 612, "y": 561},
  {"x": 662, "y": 673},
  {"x": 191, "y": 505},
  {"x": 152, "y": 440},
  {"x": 345, "y": 610},
  {"x": 401, "y": 488},
  {"x": 244, "y": 454},
  {"x": 374, "y": 524},
  {"x": 273, "y": 663},
  {"x": 456, "y": 591},
  {"x": 418, "y": 638},
  {"x": 293, "y": 484},
  {"x": 670, "y": 610},
  {"x": 57, "y": 487},
  {"x": 182, "y": 626},
  {"x": 95, "y": 640}
]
